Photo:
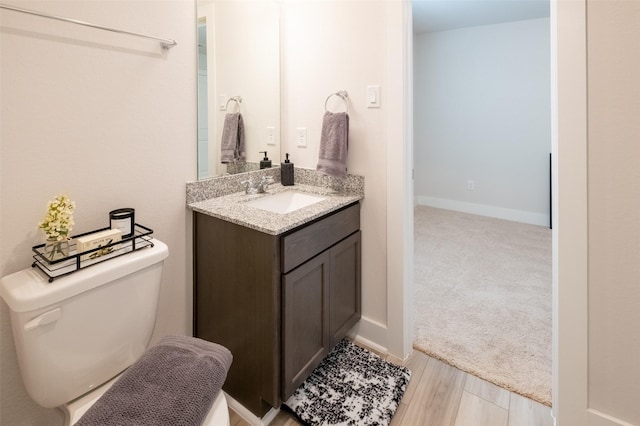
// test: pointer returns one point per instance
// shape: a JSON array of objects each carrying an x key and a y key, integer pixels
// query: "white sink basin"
[{"x": 285, "y": 202}]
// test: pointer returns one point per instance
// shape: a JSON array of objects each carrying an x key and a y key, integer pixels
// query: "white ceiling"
[{"x": 441, "y": 15}]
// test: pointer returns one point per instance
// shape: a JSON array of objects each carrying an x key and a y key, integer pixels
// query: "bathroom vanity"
[{"x": 278, "y": 299}]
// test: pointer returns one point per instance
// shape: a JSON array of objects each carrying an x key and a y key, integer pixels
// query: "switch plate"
[
  {"x": 471, "y": 185},
  {"x": 373, "y": 96},
  {"x": 222, "y": 102},
  {"x": 271, "y": 135},
  {"x": 301, "y": 136}
]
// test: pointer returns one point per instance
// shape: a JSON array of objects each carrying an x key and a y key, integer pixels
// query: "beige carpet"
[{"x": 483, "y": 298}]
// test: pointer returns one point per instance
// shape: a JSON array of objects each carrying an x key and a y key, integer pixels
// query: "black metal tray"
[{"x": 53, "y": 269}]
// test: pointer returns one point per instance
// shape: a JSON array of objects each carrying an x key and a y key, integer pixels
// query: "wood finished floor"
[{"x": 441, "y": 395}]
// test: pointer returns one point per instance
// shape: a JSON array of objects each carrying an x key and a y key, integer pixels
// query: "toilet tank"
[{"x": 83, "y": 329}]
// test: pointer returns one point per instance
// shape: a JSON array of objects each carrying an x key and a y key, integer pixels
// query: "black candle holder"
[{"x": 124, "y": 220}]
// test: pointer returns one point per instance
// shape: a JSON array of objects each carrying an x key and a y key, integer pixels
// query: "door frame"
[
  {"x": 569, "y": 204},
  {"x": 570, "y": 249}
]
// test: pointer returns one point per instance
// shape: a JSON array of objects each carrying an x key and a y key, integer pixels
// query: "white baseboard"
[
  {"x": 598, "y": 418},
  {"x": 371, "y": 345},
  {"x": 484, "y": 210},
  {"x": 370, "y": 333},
  {"x": 248, "y": 416}
]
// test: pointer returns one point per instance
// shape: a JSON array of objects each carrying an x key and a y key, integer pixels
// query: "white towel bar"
[
  {"x": 342, "y": 94},
  {"x": 166, "y": 43}
]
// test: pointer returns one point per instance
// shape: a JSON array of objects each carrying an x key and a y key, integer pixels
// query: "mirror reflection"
[{"x": 238, "y": 81}]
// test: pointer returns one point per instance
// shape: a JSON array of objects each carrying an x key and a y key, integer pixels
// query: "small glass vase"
[{"x": 54, "y": 249}]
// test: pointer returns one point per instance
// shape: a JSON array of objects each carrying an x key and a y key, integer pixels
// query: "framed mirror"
[{"x": 238, "y": 71}]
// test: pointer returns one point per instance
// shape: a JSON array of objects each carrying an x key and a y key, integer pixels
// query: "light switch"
[{"x": 373, "y": 96}]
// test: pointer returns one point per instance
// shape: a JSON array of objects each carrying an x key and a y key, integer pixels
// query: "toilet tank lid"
[{"x": 29, "y": 289}]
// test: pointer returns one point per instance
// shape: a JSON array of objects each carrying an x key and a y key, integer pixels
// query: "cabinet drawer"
[{"x": 302, "y": 245}]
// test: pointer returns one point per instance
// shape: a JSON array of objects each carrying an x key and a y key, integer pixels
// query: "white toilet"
[{"x": 75, "y": 336}]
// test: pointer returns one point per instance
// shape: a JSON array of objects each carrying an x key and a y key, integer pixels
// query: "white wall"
[
  {"x": 107, "y": 118},
  {"x": 614, "y": 201},
  {"x": 596, "y": 272},
  {"x": 482, "y": 113},
  {"x": 331, "y": 46}
]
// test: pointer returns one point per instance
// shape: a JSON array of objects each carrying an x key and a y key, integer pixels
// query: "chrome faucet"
[
  {"x": 258, "y": 187},
  {"x": 264, "y": 183}
]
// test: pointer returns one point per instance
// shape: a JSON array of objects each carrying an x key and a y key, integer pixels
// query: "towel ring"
[
  {"x": 342, "y": 94},
  {"x": 236, "y": 99}
]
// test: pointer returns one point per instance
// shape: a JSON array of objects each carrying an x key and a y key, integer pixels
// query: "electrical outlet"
[
  {"x": 271, "y": 135},
  {"x": 471, "y": 185},
  {"x": 301, "y": 136},
  {"x": 222, "y": 102}
]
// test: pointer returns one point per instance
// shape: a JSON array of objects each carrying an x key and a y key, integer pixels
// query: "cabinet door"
[
  {"x": 306, "y": 337},
  {"x": 345, "y": 305}
]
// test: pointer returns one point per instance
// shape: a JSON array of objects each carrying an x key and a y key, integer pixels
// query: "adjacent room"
[{"x": 482, "y": 143}]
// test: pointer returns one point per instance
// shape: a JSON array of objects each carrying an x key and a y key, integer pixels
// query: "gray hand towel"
[
  {"x": 232, "y": 144},
  {"x": 173, "y": 383},
  {"x": 334, "y": 144}
]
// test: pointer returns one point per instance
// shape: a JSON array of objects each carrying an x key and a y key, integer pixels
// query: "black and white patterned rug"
[{"x": 351, "y": 386}]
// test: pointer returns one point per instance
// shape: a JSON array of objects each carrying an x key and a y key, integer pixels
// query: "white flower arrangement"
[{"x": 58, "y": 222}]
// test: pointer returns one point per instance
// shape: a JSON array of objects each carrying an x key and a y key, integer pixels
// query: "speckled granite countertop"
[{"x": 234, "y": 208}]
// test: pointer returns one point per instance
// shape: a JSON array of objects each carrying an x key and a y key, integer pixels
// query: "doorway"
[{"x": 482, "y": 138}]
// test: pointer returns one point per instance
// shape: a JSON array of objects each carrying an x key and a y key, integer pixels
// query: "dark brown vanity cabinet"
[
  {"x": 311, "y": 329},
  {"x": 279, "y": 303}
]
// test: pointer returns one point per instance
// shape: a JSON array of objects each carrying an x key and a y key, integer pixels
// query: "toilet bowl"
[{"x": 76, "y": 335}]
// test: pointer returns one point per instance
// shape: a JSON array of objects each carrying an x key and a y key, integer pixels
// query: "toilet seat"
[{"x": 218, "y": 414}]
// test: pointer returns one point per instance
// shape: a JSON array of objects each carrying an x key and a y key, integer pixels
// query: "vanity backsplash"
[{"x": 224, "y": 185}]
